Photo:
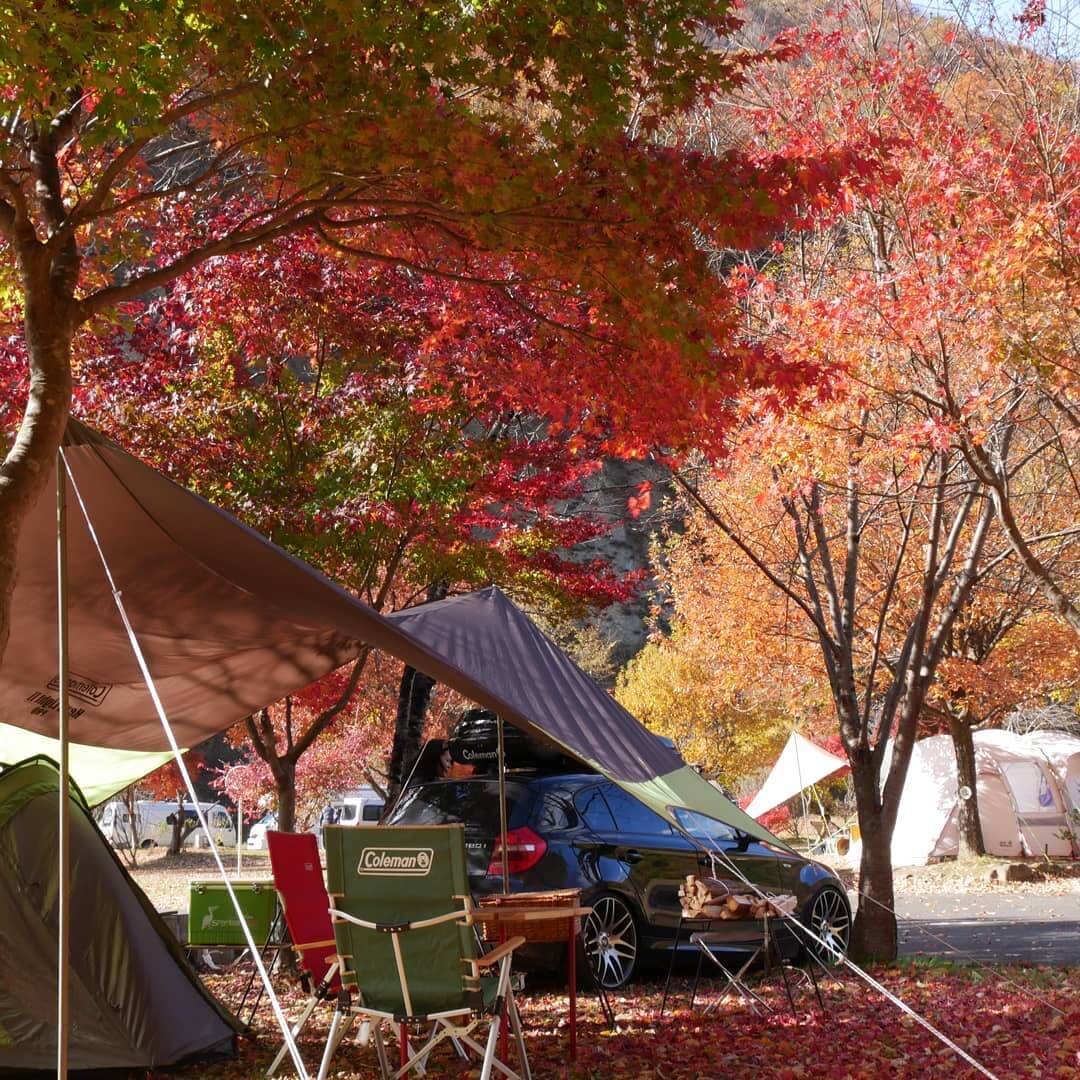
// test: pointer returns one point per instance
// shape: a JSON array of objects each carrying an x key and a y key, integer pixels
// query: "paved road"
[{"x": 1006, "y": 928}]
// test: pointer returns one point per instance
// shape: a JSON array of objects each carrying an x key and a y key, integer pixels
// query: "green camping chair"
[{"x": 403, "y": 923}]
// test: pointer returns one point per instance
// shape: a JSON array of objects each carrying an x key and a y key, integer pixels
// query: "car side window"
[
  {"x": 704, "y": 828},
  {"x": 634, "y": 816},
  {"x": 593, "y": 809},
  {"x": 552, "y": 814}
]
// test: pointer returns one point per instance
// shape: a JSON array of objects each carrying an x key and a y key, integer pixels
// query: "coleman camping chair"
[
  {"x": 298, "y": 878},
  {"x": 403, "y": 921}
]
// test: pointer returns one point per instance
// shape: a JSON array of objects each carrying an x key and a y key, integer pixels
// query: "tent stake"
[
  {"x": 63, "y": 854},
  {"x": 502, "y": 809}
]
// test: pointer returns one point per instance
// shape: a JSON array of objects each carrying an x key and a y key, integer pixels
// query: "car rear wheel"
[
  {"x": 829, "y": 917},
  {"x": 610, "y": 941}
]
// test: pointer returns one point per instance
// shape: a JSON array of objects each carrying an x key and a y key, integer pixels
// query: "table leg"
[
  {"x": 571, "y": 966},
  {"x": 504, "y": 1035},
  {"x": 671, "y": 964}
]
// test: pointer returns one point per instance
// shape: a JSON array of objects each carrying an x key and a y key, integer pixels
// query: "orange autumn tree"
[
  {"x": 858, "y": 509},
  {"x": 959, "y": 280},
  {"x": 732, "y": 677}
]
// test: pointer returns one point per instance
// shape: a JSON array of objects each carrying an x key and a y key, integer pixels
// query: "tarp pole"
[
  {"x": 178, "y": 755},
  {"x": 63, "y": 853},
  {"x": 502, "y": 809}
]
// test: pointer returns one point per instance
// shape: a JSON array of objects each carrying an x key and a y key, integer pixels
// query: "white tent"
[
  {"x": 1022, "y": 807},
  {"x": 801, "y": 763},
  {"x": 1059, "y": 751}
]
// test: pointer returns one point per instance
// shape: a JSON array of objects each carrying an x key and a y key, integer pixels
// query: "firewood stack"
[{"x": 707, "y": 898}]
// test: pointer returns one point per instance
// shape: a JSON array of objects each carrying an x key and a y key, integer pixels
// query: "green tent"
[{"x": 135, "y": 1002}]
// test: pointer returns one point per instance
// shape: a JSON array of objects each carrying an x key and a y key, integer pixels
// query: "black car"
[{"x": 582, "y": 831}]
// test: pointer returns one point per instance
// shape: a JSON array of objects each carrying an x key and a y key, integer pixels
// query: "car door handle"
[{"x": 632, "y": 855}]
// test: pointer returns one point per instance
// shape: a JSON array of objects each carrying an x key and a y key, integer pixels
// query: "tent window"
[{"x": 1030, "y": 787}]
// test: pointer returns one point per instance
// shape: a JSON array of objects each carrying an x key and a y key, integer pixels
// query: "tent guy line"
[
  {"x": 151, "y": 688},
  {"x": 717, "y": 854},
  {"x": 974, "y": 961}
]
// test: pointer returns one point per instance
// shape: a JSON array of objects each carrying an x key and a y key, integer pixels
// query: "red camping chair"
[{"x": 298, "y": 878}]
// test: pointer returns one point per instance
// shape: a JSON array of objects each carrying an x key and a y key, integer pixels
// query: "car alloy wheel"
[
  {"x": 609, "y": 937},
  {"x": 830, "y": 919}
]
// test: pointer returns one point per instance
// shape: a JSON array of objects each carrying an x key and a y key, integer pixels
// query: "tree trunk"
[
  {"x": 873, "y": 934},
  {"x": 971, "y": 837},
  {"x": 285, "y": 780},
  {"x": 177, "y": 842},
  {"x": 414, "y": 696},
  {"x": 28, "y": 463},
  {"x": 129, "y": 803}
]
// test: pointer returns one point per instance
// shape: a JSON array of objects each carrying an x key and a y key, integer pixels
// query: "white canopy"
[{"x": 800, "y": 764}]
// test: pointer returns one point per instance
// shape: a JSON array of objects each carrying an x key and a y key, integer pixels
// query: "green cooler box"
[{"x": 212, "y": 919}]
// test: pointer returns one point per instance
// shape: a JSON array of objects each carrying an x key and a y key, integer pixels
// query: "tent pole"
[
  {"x": 502, "y": 809},
  {"x": 63, "y": 854}
]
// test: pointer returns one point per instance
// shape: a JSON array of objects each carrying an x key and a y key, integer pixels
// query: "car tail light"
[{"x": 524, "y": 849}]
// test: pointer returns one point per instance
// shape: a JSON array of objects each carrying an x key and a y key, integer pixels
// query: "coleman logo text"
[{"x": 414, "y": 862}]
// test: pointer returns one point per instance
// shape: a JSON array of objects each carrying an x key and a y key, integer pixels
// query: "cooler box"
[{"x": 212, "y": 919}]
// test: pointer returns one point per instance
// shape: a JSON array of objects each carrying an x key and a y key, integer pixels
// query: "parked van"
[
  {"x": 153, "y": 828},
  {"x": 360, "y": 806}
]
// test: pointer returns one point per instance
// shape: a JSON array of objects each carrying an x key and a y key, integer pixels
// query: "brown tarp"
[
  {"x": 486, "y": 635},
  {"x": 230, "y": 623}
]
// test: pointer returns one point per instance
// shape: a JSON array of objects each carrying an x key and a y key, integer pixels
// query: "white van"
[
  {"x": 153, "y": 828},
  {"x": 361, "y": 806}
]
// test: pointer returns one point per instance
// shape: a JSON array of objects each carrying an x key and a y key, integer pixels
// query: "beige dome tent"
[{"x": 1023, "y": 805}]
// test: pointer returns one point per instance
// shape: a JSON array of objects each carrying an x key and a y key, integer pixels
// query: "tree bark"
[
  {"x": 176, "y": 843},
  {"x": 971, "y": 837},
  {"x": 285, "y": 782},
  {"x": 29, "y": 462},
  {"x": 873, "y": 933}
]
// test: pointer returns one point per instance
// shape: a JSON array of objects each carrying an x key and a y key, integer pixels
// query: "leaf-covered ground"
[{"x": 1001, "y": 1023}]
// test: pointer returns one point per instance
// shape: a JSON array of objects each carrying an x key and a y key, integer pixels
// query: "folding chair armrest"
[
  {"x": 344, "y": 916},
  {"x": 314, "y": 945},
  {"x": 496, "y": 954}
]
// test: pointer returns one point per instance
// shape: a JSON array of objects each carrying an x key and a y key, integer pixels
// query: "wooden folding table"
[{"x": 557, "y": 918}]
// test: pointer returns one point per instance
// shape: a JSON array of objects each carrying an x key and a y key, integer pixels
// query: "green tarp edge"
[
  {"x": 688, "y": 790},
  {"x": 98, "y": 772}
]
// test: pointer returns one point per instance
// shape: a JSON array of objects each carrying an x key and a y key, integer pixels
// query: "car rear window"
[{"x": 471, "y": 802}]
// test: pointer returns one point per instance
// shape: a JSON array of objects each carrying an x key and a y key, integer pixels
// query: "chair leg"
[
  {"x": 305, "y": 1016},
  {"x": 380, "y": 1050},
  {"x": 332, "y": 1041},
  {"x": 492, "y": 1045},
  {"x": 440, "y": 1031},
  {"x": 519, "y": 1038},
  {"x": 503, "y": 994}
]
